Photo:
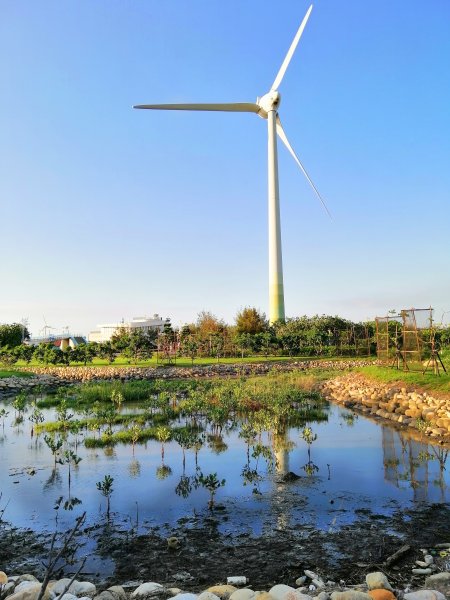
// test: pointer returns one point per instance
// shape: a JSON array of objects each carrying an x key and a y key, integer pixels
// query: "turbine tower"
[{"x": 267, "y": 108}]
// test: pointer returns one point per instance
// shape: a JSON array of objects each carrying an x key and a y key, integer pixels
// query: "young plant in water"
[
  {"x": 211, "y": 483},
  {"x": 19, "y": 404},
  {"x": 55, "y": 446},
  {"x": 135, "y": 432},
  {"x": 68, "y": 458},
  {"x": 309, "y": 436},
  {"x": 63, "y": 414},
  {"x": 105, "y": 487},
  {"x": 163, "y": 435},
  {"x": 117, "y": 398},
  {"x": 36, "y": 417}
]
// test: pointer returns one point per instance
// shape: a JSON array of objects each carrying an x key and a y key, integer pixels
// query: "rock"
[
  {"x": 318, "y": 582},
  {"x": 76, "y": 588},
  {"x": 286, "y": 592},
  {"x": 378, "y": 580},
  {"x": 118, "y": 592},
  {"x": 440, "y": 582},
  {"x": 323, "y": 596},
  {"x": 29, "y": 593},
  {"x": 244, "y": 594},
  {"x": 350, "y": 595},
  {"x": 421, "y": 571},
  {"x": 237, "y": 580},
  {"x": 381, "y": 594},
  {"x": 175, "y": 591},
  {"x": 147, "y": 589},
  {"x": 310, "y": 574},
  {"x": 105, "y": 595},
  {"x": 3, "y": 578},
  {"x": 8, "y": 588},
  {"x": 24, "y": 585},
  {"x": 68, "y": 597},
  {"x": 301, "y": 580},
  {"x": 210, "y": 596},
  {"x": 424, "y": 595},
  {"x": 26, "y": 577},
  {"x": 263, "y": 596},
  {"x": 223, "y": 591},
  {"x": 186, "y": 596}
]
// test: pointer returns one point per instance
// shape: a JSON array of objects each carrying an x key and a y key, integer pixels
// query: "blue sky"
[{"x": 108, "y": 212}]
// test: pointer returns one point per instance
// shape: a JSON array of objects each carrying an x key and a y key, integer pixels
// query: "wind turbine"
[{"x": 267, "y": 108}]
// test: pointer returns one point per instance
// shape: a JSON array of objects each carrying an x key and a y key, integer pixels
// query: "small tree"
[
  {"x": 36, "y": 417},
  {"x": 105, "y": 487},
  {"x": 55, "y": 446},
  {"x": 212, "y": 484},
  {"x": 163, "y": 435}
]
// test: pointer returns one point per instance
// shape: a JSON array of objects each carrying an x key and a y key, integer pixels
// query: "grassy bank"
[
  {"x": 427, "y": 382},
  {"x": 13, "y": 373}
]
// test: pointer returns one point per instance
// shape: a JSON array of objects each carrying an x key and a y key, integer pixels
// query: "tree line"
[{"x": 210, "y": 337}]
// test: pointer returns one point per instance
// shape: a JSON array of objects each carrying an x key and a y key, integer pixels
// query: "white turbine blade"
[
  {"x": 285, "y": 141},
  {"x": 287, "y": 60},
  {"x": 228, "y": 107}
]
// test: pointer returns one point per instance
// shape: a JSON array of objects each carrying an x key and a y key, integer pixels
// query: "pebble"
[
  {"x": 286, "y": 592},
  {"x": 186, "y": 596},
  {"x": 381, "y": 594},
  {"x": 378, "y": 580},
  {"x": 223, "y": 591},
  {"x": 237, "y": 580},
  {"x": 421, "y": 571},
  {"x": 147, "y": 589},
  {"x": 350, "y": 595},
  {"x": 300, "y": 580},
  {"x": 424, "y": 595}
]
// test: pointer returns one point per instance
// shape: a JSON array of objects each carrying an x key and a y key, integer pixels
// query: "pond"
[{"x": 321, "y": 470}]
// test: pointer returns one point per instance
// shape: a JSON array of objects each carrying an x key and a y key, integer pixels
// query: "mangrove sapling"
[
  {"x": 211, "y": 483},
  {"x": 163, "y": 435},
  {"x": 68, "y": 458},
  {"x": 135, "y": 433},
  {"x": 63, "y": 414},
  {"x": 106, "y": 489},
  {"x": 55, "y": 446},
  {"x": 20, "y": 404},
  {"x": 36, "y": 417},
  {"x": 117, "y": 398},
  {"x": 309, "y": 436}
]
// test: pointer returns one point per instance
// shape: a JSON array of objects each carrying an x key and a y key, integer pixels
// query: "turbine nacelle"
[{"x": 268, "y": 102}]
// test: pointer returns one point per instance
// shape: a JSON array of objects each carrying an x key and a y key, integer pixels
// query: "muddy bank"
[{"x": 203, "y": 555}]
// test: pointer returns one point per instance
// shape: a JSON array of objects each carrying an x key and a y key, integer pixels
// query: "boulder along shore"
[{"x": 426, "y": 415}]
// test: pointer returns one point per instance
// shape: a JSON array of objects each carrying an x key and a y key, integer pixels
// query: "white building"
[{"x": 104, "y": 333}]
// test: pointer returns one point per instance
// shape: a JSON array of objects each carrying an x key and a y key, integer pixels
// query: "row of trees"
[{"x": 209, "y": 336}]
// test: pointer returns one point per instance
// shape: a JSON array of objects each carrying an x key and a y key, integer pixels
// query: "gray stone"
[
  {"x": 301, "y": 580},
  {"x": 147, "y": 589},
  {"x": 440, "y": 582},
  {"x": 424, "y": 595},
  {"x": 8, "y": 588},
  {"x": 24, "y": 585},
  {"x": 350, "y": 595},
  {"x": 210, "y": 596},
  {"x": 118, "y": 592},
  {"x": 174, "y": 591},
  {"x": 286, "y": 592},
  {"x": 77, "y": 588},
  {"x": 378, "y": 580},
  {"x": 186, "y": 596},
  {"x": 421, "y": 571},
  {"x": 26, "y": 577},
  {"x": 323, "y": 596},
  {"x": 105, "y": 596}
]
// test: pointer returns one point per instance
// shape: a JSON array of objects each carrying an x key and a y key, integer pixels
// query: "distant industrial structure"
[
  {"x": 104, "y": 333},
  {"x": 62, "y": 341}
]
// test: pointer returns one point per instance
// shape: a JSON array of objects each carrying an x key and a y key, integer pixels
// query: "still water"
[{"x": 357, "y": 464}]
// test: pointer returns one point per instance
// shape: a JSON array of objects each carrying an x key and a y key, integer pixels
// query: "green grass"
[
  {"x": 428, "y": 381},
  {"x": 13, "y": 373}
]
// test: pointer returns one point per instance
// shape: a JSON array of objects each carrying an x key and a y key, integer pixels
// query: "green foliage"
[
  {"x": 105, "y": 487},
  {"x": 13, "y": 335},
  {"x": 210, "y": 482},
  {"x": 251, "y": 321}
]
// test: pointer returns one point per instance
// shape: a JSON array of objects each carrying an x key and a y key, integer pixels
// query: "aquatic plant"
[
  {"x": 105, "y": 487},
  {"x": 211, "y": 483}
]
